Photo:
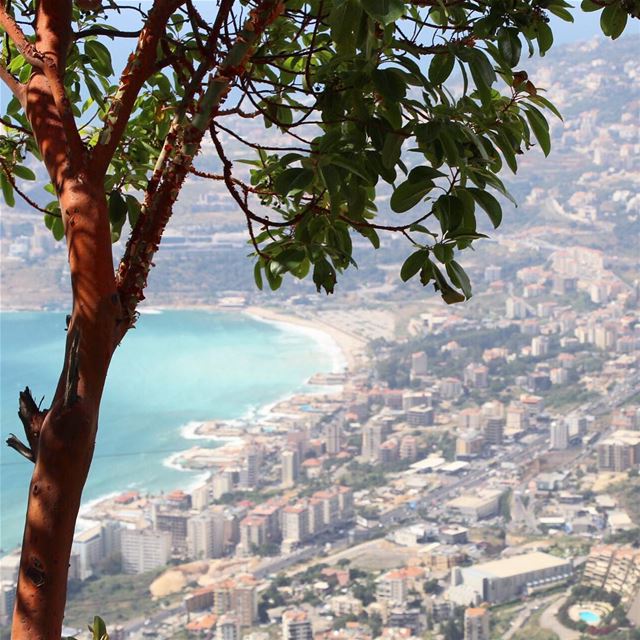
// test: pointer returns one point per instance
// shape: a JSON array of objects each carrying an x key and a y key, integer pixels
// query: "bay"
[{"x": 176, "y": 367}]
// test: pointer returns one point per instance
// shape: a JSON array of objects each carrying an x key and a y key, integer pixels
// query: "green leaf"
[
  {"x": 392, "y": 149},
  {"x": 509, "y": 46},
  {"x": 426, "y": 273},
  {"x": 489, "y": 204},
  {"x": 133, "y": 209},
  {"x": 99, "y": 56},
  {"x": 408, "y": 194},
  {"x": 257, "y": 275},
  {"x": 353, "y": 167},
  {"x": 613, "y": 20},
  {"x": 371, "y": 235},
  {"x": 293, "y": 179},
  {"x": 482, "y": 73},
  {"x": 7, "y": 190},
  {"x": 94, "y": 91},
  {"x": 290, "y": 259},
  {"x": 99, "y": 629},
  {"x": 545, "y": 37},
  {"x": 465, "y": 235},
  {"x": 57, "y": 228},
  {"x": 344, "y": 21},
  {"x": 459, "y": 277},
  {"x": 589, "y": 5},
  {"x": 117, "y": 209},
  {"x": 273, "y": 278},
  {"x": 24, "y": 172},
  {"x": 541, "y": 100},
  {"x": 413, "y": 264},
  {"x": 561, "y": 12},
  {"x": 443, "y": 253},
  {"x": 448, "y": 293},
  {"x": 324, "y": 275},
  {"x": 449, "y": 211},
  {"x": 390, "y": 84},
  {"x": 540, "y": 128},
  {"x": 422, "y": 173},
  {"x": 384, "y": 11},
  {"x": 441, "y": 67}
]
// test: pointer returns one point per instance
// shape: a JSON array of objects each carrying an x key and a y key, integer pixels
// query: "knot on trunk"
[{"x": 31, "y": 418}]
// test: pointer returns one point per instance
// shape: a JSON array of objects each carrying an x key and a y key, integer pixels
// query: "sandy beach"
[{"x": 352, "y": 347}]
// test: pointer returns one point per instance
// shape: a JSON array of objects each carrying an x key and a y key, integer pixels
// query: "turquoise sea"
[{"x": 174, "y": 368}]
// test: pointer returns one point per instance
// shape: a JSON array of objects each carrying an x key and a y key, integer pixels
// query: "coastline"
[
  {"x": 352, "y": 347},
  {"x": 346, "y": 353}
]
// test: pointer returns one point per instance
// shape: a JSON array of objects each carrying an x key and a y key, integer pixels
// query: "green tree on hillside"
[{"x": 425, "y": 99}]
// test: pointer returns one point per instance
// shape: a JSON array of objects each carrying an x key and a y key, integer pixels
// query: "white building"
[
  {"x": 144, "y": 549},
  {"x": 539, "y": 346},
  {"x": 7, "y": 601},
  {"x": 295, "y": 524},
  {"x": 94, "y": 545},
  {"x": 290, "y": 467},
  {"x": 559, "y": 435},
  {"x": 206, "y": 535},
  {"x": 419, "y": 364},
  {"x": 479, "y": 505},
  {"x": 504, "y": 580}
]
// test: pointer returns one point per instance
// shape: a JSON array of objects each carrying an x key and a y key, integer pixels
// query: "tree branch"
[
  {"x": 53, "y": 37},
  {"x": 105, "y": 31},
  {"x": 145, "y": 238},
  {"x": 10, "y": 125},
  {"x": 16, "y": 87},
  {"x": 19, "y": 191},
  {"x": 139, "y": 68},
  {"x": 15, "y": 33}
]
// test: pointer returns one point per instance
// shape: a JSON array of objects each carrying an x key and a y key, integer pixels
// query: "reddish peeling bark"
[
  {"x": 61, "y": 440},
  {"x": 66, "y": 438},
  {"x": 63, "y": 443}
]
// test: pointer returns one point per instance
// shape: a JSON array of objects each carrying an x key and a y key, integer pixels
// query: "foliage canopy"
[{"x": 424, "y": 100}]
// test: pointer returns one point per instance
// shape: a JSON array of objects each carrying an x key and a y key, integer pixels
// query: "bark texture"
[
  {"x": 61, "y": 439},
  {"x": 66, "y": 436}
]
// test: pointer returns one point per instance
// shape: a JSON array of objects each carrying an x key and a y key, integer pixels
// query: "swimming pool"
[{"x": 590, "y": 617}]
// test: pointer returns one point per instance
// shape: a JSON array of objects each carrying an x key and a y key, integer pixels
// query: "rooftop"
[
  {"x": 509, "y": 567},
  {"x": 475, "y": 612}
]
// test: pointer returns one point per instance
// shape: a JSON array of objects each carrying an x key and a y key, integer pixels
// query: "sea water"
[{"x": 174, "y": 369}]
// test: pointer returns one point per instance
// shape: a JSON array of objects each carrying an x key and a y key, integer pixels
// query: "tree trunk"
[{"x": 63, "y": 438}]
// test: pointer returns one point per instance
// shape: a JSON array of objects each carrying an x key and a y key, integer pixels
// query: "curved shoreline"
[
  {"x": 352, "y": 347},
  {"x": 340, "y": 349}
]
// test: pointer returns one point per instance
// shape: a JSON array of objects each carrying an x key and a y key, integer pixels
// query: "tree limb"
[
  {"x": 17, "y": 36},
  {"x": 19, "y": 191},
  {"x": 10, "y": 125},
  {"x": 53, "y": 37},
  {"x": 157, "y": 208},
  {"x": 104, "y": 31},
  {"x": 139, "y": 68},
  {"x": 15, "y": 443},
  {"x": 16, "y": 87}
]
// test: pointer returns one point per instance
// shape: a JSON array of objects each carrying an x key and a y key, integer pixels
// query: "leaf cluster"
[{"x": 421, "y": 105}]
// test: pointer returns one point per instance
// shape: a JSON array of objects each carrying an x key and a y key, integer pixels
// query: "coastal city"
[{"x": 464, "y": 472}]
